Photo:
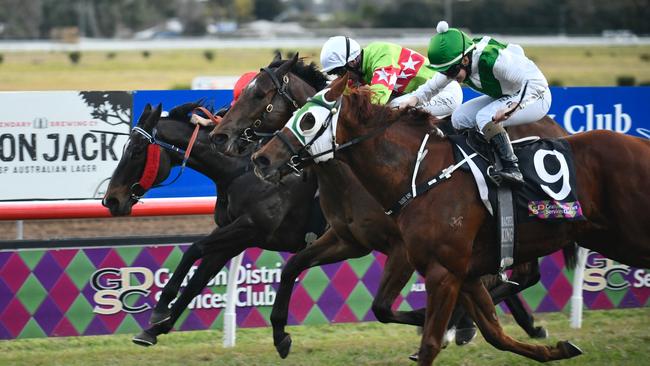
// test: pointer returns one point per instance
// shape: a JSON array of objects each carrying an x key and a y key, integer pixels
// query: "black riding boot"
[{"x": 502, "y": 146}]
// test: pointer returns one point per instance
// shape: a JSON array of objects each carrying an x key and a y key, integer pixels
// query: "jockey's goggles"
[{"x": 453, "y": 70}]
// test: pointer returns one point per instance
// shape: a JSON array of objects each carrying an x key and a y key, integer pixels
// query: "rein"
[{"x": 282, "y": 88}]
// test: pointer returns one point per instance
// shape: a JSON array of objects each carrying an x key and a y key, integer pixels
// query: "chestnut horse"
[
  {"x": 450, "y": 236},
  {"x": 358, "y": 222}
]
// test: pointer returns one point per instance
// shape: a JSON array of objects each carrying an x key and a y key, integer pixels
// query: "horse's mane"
[
  {"x": 182, "y": 112},
  {"x": 374, "y": 115},
  {"x": 307, "y": 72}
]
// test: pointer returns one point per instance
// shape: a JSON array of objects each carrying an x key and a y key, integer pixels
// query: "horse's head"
[
  {"x": 141, "y": 166},
  {"x": 266, "y": 103},
  {"x": 310, "y": 134}
]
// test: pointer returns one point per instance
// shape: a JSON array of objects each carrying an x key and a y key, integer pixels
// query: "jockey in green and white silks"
[
  {"x": 390, "y": 70},
  {"x": 515, "y": 90}
]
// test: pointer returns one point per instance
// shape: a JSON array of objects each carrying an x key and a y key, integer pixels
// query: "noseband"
[{"x": 282, "y": 88}]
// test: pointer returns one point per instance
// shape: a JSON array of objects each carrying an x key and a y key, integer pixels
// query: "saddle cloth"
[{"x": 549, "y": 192}]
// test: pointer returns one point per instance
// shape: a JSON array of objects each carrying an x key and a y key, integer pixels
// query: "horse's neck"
[
  {"x": 220, "y": 168},
  {"x": 385, "y": 167},
  {"x": 332, "y": 175}
]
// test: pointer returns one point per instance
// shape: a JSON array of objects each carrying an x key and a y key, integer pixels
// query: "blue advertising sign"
[
  {"x": 579, "y": 109},
  {"x": 191, "y": 183}
]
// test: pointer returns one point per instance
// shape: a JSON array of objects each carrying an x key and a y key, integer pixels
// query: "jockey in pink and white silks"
[
  {"x": 391, "y": 71},
  {"x": 515, "y": 90}
]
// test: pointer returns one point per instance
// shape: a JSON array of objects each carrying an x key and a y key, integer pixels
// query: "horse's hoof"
[
  {"x": 539, "y": 333},
  {"x": 465, "y": 335},
  {"x": 414, "y": 357},
  {"x": 569, "y": 349},
  {"x": 158, "y": 317},
  {"x": 284, "y": 346},
  {"x": 145, "y": 339}
]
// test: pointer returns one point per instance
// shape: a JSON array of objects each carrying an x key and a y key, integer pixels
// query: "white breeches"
[{"x": 479, "y": 111}]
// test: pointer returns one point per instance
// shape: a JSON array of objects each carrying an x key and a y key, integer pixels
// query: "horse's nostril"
[
  {"x": 219, "y": 138},
  {"x": 109, "y": 202},
  {"x": 261, "y": 161}
]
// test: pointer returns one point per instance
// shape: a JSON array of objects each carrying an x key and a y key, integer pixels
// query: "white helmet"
[{"x": 337, "y": 52}]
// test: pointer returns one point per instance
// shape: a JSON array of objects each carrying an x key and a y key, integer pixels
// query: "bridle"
[
  {"x": 300, "y": 157},
  {"x": 152, "y": 164},
  {"x": 250, "y": 134}
]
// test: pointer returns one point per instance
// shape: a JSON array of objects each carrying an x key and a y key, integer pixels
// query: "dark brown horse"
[
  {"x": 450, "y": 237},
  {"x": 358, "y": 222},
  {"x": 248, "y": 213}
]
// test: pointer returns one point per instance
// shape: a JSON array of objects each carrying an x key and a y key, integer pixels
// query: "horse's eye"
[{"x": 307, "y": 122}]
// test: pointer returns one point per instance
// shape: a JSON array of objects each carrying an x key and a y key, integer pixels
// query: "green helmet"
[{"x": 447, "y": 47}]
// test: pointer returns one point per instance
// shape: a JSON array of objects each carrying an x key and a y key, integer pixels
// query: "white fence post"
[
  {"x": 20, "y": 230},
  {"x": 576, "y": 297},
  {"x": 230, "y": 315}
]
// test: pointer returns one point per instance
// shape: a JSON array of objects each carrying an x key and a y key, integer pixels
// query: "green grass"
[
  {"x": 129, "y": 70},
  {"x": 617, "y": 337}
]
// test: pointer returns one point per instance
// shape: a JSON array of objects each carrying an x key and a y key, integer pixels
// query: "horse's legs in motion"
[
  {"x": 524, "y": 318},
  {"x": 210, "y": 265},
  {"x": 221, "y": 241},
  {"x": 397, "y": 272},
  {"x": 442, "y": 292},
  {"x": 327, "y": 249},
  {"x": 525, "y": 275},
  {"x": 161, "y": 312},
  {"x": 478, "y": 303}
]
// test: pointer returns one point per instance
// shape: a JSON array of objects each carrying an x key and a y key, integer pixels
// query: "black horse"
[{"x": 249, "y": 212}]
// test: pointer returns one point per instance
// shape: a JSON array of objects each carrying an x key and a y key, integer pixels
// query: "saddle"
[{"x": 539, "y": 159}]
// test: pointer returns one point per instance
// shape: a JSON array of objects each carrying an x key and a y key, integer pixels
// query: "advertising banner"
[
  {"x": 51, "y": 146},
  {"x": 50, "y": 139},
  {"x": 93, "y": 291},
  {"x": 579, "y": 109}
]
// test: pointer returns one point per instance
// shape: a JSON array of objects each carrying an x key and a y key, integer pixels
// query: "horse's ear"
[
  {"x": 277, "y": 57},
  {"x": 287, "y": 66},
  {"x": 337, "y": 88},
  {"x": 153, "y": 117},
  {"x": 145, "y": 114}
]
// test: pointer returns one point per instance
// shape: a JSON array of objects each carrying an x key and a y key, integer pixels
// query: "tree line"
[{"x": 20, "y": 19}]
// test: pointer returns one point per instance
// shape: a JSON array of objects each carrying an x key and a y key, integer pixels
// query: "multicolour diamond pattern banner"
[{"x": 70, "y": 292}]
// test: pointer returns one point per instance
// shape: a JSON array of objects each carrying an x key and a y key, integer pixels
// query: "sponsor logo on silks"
[{"x": 552, "y": 209}]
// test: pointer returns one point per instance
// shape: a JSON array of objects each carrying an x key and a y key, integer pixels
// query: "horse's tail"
[{"x": 570, "y": 253}]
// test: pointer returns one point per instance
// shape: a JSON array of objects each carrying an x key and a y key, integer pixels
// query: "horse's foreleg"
[
  {"x": 210, "y": 265},
  {"x": 442, "y": 291},
  {"x": 397, "y": 272},
  {"x": 526, "y": 275},
  {"x": 161, "y": 312},
  {"x": 478, "y": 303},
  {"x": 524, "y": 318},
  {"x": 327, "y": 249}
]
